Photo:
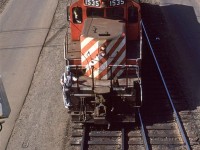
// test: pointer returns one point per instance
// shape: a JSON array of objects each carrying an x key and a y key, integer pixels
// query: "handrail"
[
  {"x": 133, "y": 66},
  {"x": 66, "y": 43},
  {"x": 167, "y": 91},
  {"x": 136, "y": 67}
]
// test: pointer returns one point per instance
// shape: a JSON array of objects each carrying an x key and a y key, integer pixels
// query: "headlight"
[{"x": 102, "y": 51}]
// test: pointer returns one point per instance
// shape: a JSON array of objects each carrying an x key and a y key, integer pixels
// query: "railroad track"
[
  {"x": 154, "y": 97},
  {"x": 163, "y": 125},
  {"x": 119, "y": 137}
]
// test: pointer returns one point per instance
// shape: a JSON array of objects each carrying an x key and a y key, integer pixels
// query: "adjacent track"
[
  {"x": 159, "y": 109},
  {"x": 158, "y": 104}
]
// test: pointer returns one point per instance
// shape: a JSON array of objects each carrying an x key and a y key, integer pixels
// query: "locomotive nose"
[{"x": 103, "y": 43}]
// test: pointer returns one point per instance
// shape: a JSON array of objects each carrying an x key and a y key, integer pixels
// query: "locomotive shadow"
[
  {"x": 175, "y": 38},
  {"x": 186, "y": 50}
]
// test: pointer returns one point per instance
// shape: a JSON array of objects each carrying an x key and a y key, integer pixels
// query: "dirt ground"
[
  {"x": 2, "y": 5},
  {"x": 43, "y": 121}
]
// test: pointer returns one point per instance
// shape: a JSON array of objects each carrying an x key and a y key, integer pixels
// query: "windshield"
[
  {"x": 111, "y": 13},
  {"x": 115, "y": 13},
  {"x": 95, "y": 12}
]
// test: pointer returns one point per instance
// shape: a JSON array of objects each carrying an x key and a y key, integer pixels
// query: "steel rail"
[
  {"x": 84, "y": 138},
  {"x": 144, "y": 136},
  {"x": 123, "y": 139},
  {"x": 168, "y": 93}
]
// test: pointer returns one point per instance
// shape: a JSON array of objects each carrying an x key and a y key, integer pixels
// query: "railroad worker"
[{"x": 66, "y": 82}]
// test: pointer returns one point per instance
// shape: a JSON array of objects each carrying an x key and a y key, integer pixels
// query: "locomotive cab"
[{"x": 103, "y": 48}]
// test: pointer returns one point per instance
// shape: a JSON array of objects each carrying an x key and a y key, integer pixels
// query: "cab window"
[
  {"x": 115, "y": 13},
  {"x": 77, "y": 15},
  {"x": 95, "y": 12}
]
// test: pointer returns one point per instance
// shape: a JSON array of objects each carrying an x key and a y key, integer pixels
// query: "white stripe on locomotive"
[
  {"x": 85, "y": 41},
  {"x": 118, "y": 62},
  {"x": 89, "y": 52},
  {"x": 107, "y": 63}
]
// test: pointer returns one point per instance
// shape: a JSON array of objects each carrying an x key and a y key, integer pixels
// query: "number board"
[
  {"x": 95, "y": 3},
  {"x": 116, "y": 2}
]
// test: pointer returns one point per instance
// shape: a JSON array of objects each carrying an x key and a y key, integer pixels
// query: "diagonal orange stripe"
[
  {"x": 101, "y": 61},
  {"x": 90, "y": 57},
  {"x": 118, "y": 55},
  {"x": 97, "y": 65},
  {"x": 88, "y": 46},
  {"x": 118, "y": 68},
  {"x": 103, "y": 73},
  {"x": 105, "y": 58},
  {"x": 115, "y": 46}
]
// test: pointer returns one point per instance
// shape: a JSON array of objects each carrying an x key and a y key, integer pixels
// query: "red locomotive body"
[{"x": 103, "y": 49}]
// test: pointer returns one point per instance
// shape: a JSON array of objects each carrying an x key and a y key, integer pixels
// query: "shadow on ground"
[{"x": 175, "y": 37}]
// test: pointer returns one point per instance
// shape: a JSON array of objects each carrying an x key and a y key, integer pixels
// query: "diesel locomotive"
[{"x": 103, "y": 48}]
